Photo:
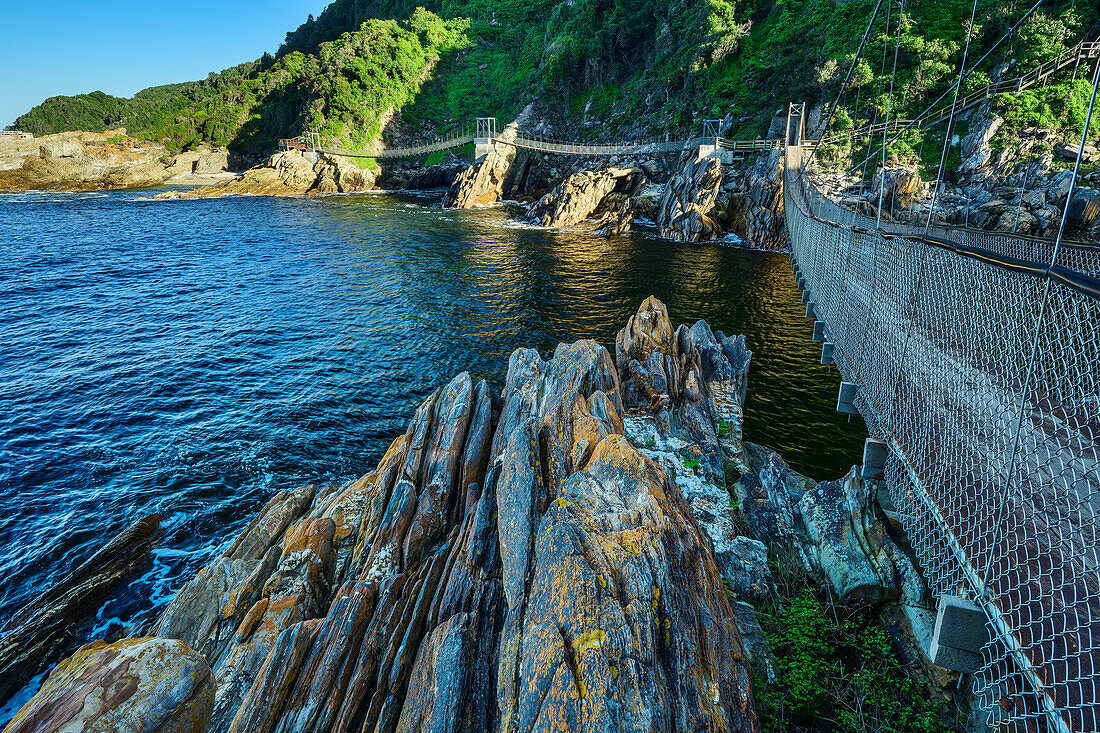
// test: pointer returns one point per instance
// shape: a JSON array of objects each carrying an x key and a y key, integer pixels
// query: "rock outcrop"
[
  {"x": 514, "y": 563},
  {"x": 83, "y": 161},
  {"x": 131, "y": 686},
  {"x": 578, "y": 196},
  {"x": 36, "y": 635},
  {"x": 484, "y": 182},
  {"x": 753, "y": 198},
  {"x": 290, "y": 173},
  {"x": 685, "y": 212}
]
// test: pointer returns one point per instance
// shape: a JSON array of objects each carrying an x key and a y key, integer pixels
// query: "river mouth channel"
[{"x": 193, "y": 357}]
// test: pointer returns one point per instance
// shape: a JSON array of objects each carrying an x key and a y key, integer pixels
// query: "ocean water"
[{"x": 191, "y": 358}]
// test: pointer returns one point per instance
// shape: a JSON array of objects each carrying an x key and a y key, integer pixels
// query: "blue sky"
[{"x": 74, "y": 46}]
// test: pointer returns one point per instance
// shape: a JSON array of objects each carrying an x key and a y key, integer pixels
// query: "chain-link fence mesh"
[{"x": 985, "y": 381}]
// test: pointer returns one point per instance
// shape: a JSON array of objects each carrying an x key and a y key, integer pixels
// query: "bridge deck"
[{"x": 995, "y": 425}]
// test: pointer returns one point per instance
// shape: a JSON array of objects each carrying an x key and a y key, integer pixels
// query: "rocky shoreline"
[
  {"x": 585, "y": 549},
  {"x": 87, "y": 161}
]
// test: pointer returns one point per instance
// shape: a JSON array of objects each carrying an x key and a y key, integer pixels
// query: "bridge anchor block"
[
  {"x": 875, "y": 453},
  {"x": 827, "y": 351},
  {"x": 819, "y": 331},
  {"x": 960, "y": 635},
  {"x": 846, "y": 399}
]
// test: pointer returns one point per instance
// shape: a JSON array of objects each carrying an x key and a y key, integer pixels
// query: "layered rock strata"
[
  {"x": 34, "y": 637},
  {"x": 514, "y": 563},
  {"x": 83, "y": 161},
  {"x": 578, "y": 196},
  {"x": 685, "y": 212},
  {"x": 290, "y": 173}
]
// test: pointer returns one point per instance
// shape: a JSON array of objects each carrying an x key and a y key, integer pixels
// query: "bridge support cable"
[
  {"x": 847, "y": 78},
  {"x": 889, "y": 108},
  {"x": 924, "y": 116}
]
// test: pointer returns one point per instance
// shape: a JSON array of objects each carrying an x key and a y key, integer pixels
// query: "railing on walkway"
[
  {"x": 980, "y": 366},
  {"x": 546, "y": 145},
  {"x": 570, "y": 148}
]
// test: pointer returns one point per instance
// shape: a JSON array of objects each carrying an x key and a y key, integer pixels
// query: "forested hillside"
[{"x": 640, "y": 68}]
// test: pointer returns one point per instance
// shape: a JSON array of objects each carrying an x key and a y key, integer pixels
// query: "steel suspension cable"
[
  {"x": 950, "y": 120},
  {"x": 844, "y": 85},
  {"x": 889, "y": 106},
  {"x": 920, "y": 118},
  {"x": 915, "y": 293}
]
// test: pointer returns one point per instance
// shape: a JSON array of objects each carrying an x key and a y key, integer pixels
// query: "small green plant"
[
  {"x": 725, "y": 429},
  {"x": 691, "y": 463},
  {"x": 835, "y": 663},
  {"x": 650, "y": 442}
]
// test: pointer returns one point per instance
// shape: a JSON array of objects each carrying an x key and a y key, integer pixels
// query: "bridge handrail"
[{"x": 992, "y": 416}]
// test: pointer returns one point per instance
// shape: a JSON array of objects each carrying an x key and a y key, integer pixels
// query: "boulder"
[
  {"x": 851, "y": 543},
  {"x": 577, "y": 197},
  {"x": 898, "y": 186},
  {"x": 975, "y": 148},
  {"x": 46, "y": 628},
  {"x": 617, "y": 221},
  {"x": 130, "y": 686},
  {"x": 216, "y": 161},
  {"x": 685, "y": 210}
]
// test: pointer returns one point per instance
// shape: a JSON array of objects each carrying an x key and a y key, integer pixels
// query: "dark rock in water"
[
  {"x": 39, "y": 633},
  {"x": 577, "y": 197},
  {"x": 438, "y": 175},
  {"x": 616, "y": 222},
  {"x": 144, "y": 684},
  {"x": 514, "y": 563},
  {"x": 686, "y": 208}
]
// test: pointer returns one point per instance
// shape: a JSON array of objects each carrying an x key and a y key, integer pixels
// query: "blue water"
[{"x": 192, "y": 357}]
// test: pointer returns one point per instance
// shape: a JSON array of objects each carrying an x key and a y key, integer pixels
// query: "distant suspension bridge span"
[{"x": 485, "y": 136}]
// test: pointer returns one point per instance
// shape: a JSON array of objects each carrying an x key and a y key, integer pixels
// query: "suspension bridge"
[
  {"x": 974, "y": 359},
  {"x": 485, "y": 135}
]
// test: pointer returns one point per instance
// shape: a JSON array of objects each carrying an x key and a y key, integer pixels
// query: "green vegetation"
[
  {"x": 148, "y": 109},
  {"x": 1061, "y": 106},
  {"x": 651, "y": 67},
  {"x": 835, "y": 664},
  {"x": 691, "y": 463}
]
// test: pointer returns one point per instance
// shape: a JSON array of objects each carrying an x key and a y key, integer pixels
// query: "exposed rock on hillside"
[
  {"x": 686, "y": 209},
  {"x": 83, "y": 161},
  {"x": 578, "y": 196},
  {"x": 290, "y": 173}
]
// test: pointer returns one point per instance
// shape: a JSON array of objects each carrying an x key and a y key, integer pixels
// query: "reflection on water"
[{"x": 192, "y": 357}]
